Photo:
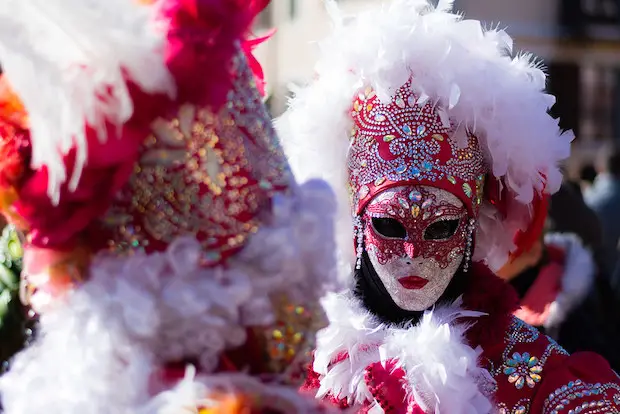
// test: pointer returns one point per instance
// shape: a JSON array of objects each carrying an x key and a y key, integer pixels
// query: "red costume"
[
  {"x": 175, "y": 263},
  {"x": 440, "y": 147}
]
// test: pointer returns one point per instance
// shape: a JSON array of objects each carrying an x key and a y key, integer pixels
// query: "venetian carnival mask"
[
  {"x": 416, "y": 237},
  {"x": 417, "y": 182}
]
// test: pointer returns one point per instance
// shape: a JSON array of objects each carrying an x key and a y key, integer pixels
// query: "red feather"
[{"x": 204, "y": 36}]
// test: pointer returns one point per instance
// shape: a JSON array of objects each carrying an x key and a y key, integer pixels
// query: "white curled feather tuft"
[
  {"x": 63, "y": 56},
  {"x": 442, "y": 374},
  {"x": 469, "y": 71}
]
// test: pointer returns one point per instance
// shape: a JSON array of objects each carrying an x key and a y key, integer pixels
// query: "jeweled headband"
[{"x": 411, "y": 141}]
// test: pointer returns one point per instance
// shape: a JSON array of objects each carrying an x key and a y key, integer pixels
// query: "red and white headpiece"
[
  {"x": 162, "y": 221},
  {"x": 411, "y": 93},
  {"x": 408, "y": 141}
]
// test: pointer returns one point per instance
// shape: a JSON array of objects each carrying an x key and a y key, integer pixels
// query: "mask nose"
[{"x": 411, "y": 250}]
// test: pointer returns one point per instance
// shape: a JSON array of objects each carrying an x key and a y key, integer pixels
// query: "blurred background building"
[{"x": 578, "y": 41}]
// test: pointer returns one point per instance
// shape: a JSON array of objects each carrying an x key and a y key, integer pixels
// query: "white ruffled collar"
[{"x": 442, "y": 371}]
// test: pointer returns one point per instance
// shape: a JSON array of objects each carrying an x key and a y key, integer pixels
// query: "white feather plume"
[
  {"x": 470, "y": 71},
  {"x": 61, "y": 56}
]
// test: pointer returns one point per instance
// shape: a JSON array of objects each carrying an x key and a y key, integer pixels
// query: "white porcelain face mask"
[{"x": 415, "y": 237}]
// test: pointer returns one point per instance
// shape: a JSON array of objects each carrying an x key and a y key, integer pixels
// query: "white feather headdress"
[
  {"x": 456, "y": 63},
  {"x": 62, "y": 56}
]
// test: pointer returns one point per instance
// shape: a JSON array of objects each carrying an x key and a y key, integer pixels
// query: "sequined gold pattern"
[
  {"x": 290, "y": 340},
  {"x": 203, "y": 174}
]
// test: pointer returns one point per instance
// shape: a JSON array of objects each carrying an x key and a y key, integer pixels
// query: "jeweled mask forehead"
[{"x": 410, "y": 141}]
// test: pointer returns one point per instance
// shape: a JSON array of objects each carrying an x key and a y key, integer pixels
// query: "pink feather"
[{"x": 203, "y": 37}]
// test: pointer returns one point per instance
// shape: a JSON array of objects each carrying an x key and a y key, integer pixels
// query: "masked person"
[
  {"x": 163, "y": 228},
  {"x": 441, "y": 148}
]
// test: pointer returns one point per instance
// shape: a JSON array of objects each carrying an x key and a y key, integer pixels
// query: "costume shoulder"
[{"x": 528, "y": 367}]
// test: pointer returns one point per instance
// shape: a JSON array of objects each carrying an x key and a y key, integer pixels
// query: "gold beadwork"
[{"x": 204, "y": 174}]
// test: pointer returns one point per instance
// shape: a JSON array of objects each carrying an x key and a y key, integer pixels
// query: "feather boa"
[
  {"x": 99, "y": 350},
  {"x": 442, "y": 372}
]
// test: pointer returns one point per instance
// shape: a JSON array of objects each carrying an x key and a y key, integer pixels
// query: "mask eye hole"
[
  {"x": 441, "y": 230},
  {"x": 389, "y": 227}
]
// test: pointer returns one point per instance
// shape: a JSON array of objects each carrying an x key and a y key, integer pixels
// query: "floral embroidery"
[
  {"x": 523, "y": 369},
  {"x": 516, "y": 368},
  {"x": 521, "y": 333}
]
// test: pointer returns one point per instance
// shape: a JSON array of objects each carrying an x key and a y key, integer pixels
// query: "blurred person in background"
[
  {"x": 587, "y": 175},
  {"x": 593, "y": 324},
  {"x": 551, "y": 279},
  {"x": 568, "y": 213},
  {"x": 563, "y": 294},
  {"x": 604, "y": 198},
  {"x": 567, "y": 204}
]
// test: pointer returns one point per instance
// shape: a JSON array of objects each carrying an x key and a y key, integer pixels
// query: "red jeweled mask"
[
  {"x": 417, "y": 182},
  {"x": 416, "y": 238}
]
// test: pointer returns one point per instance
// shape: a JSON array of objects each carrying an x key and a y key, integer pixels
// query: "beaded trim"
[{"x": 569, "y": 395}]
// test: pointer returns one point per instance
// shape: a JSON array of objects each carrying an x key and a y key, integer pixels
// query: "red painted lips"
[{"x": 413, "y": 282}]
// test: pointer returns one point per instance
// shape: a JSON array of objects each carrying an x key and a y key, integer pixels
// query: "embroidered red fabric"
[{"x": 532, "y": 373}]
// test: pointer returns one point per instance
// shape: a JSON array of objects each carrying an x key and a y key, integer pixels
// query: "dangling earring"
[
  {"x": 471, "y": 227},
  {"x": 358, "y": 230}
]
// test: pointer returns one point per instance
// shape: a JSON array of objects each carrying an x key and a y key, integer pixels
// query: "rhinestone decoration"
[
  {"x": 467, "y": 189},
  {"x": 202, "y": 174},
  {"x": 415, "y": 211},
  {"x": 415, "y": 196},
  {"x": 437, "y": 205},
  {"x": 523, "y": 369},
  {"x": 406, "y": 142},
  {"x": 519, "y": 409},
  {"x": 364, "y": 190},
  {"x": 581, "y": 397}
]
